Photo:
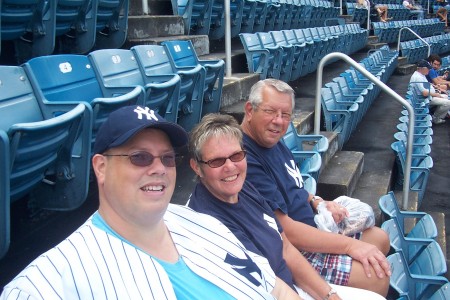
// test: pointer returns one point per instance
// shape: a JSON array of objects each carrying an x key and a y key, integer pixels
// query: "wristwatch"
[
  {"x": 313, "y": 199},
  {"x": 330, "y": 293}
]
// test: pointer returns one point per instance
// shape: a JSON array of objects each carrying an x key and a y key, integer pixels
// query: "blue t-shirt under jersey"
[
  {"x": 276, "y": 176},
  {"x": 186, "y": 284},
  {"x": 251, "y": 220}
]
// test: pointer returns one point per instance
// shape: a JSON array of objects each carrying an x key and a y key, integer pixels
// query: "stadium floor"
[{"x": 33, "y": 234}]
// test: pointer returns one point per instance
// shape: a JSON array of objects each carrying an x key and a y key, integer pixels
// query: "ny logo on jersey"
[
  {"x": 295, "y": 173},
  {"x": 245, "y": 267},
  {"x": 150, "y": 114}
]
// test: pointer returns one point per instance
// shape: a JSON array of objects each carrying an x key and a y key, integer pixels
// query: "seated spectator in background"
[
  {"x": 357, "y": 262},
  {"x": 381, "y": 11},
  {"x": 424, "y": 90},
  {"x": 414, "y": 9},
  {"x": 439, "y": 81},
  {"x": 137, "y": 245},
  {"x": 218, "y": 158},
  {"x": 442, "y": 15}
]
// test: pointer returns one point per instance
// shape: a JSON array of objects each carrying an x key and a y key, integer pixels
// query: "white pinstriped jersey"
[{"x": 91, "y": 264}]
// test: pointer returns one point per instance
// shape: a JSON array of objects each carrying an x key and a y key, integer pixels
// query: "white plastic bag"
[{"x": 360, "y": 217}]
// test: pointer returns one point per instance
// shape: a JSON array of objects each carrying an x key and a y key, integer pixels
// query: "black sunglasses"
[
  {"x": 220, "y": 161},
  {"x": 144, "y": 159}
]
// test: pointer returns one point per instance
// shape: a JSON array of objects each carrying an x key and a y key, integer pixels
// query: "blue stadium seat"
[
  {"x": 310, "y": 161},
  {"x": 182, "y": 54},
  {"x": 196, "y": 15},
  {"x": 217, "y": 25},
  {"x": 420, "y": 169},
  {"x": 412, "y": 286},
  {"x": 63, "y": 81},
  {"x": 75, "y": 26},
  {"x": 424, "y": 225},
  {"x": 48, "y": 158},
  {"x": 443, "y": 293},
  {"x": 154, "y": 62},
  {"x": 30, "y": 23},
  {"x": 424, "y": 256},
  {"x": 287, "y": 53},
  {"x": 118, "y": 68},
  {"x": 111, "y": 24},
  {"x": 339, "y": 117}
]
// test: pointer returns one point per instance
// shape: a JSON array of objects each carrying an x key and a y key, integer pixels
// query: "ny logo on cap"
[{"x": 150, "y": 114}]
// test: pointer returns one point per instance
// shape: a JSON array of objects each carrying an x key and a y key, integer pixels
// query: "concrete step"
[
  {"x": 340, "y": 175},
  {"x": 406, "y": 69},
  {"x": 376, "y": 182},
  {"x": 145, "y": 27}
]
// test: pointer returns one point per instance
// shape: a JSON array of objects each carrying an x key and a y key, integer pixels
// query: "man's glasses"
[
  {"x": 220, "y": 161},
  {"x": 272, "y": 113},
  {"x": 144, "y": 159}
]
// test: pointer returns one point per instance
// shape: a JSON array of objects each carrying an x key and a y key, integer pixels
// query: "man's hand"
[
  {"x": 338, "y": 211},
  {"x": 369, "y": 255}
]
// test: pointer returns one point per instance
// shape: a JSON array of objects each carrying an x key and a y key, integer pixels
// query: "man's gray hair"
[
  {"x": 256, "y": 91},
  {"x": 212, "y": 125}
]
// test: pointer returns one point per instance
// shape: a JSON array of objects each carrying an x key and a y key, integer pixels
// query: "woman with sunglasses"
[{"x": 218, "y": 159}]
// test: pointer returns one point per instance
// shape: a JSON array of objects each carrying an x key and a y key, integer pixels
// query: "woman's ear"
[{"x": 194, "y": 165}]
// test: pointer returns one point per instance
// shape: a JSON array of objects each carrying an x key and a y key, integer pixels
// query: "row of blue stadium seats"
[
  {"x": 389, "y": 32},
  {"x": 290, "y": 54},
  {"x": 415, "y": 50},
  {"x": 42, "y": 27},
  {"x": 347, "y": 98},
  {"x": 249, "y": 16},
  {"x": 52, "y": 107},
  {"x": 417, "y": 260},
  {"x": 422, "y": 138}
]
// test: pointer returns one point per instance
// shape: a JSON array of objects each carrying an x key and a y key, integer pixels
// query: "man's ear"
[
  {"x": 248, "y": 109},
  {"x": 194, "y": 165},
  {"x": 99, "y": 166}
]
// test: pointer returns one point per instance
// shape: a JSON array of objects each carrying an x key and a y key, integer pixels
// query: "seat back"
[
  {"x": 66, "y": 80},
  {"x": 111, "y": 23},
  {"x": 16, "y": 17},
  {"x": 75, "y": 25},
  {"x": 410, "y": 285},
  {"x": 155, "y": 63},
  {"x": 183, "y": 54},
  {"x": 41, "y": 151},
  {"x": 118, "y": 68},
  {"x": 443, "y": 293}
]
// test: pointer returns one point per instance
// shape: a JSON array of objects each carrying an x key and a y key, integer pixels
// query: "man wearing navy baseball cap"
[
  {"x": 425, "y": 92},
  {"x": 137, "y": 245}
]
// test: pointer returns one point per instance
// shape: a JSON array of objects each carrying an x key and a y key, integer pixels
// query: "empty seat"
[
  {"x": 118, "y": 68},
  {"x": 48, "y": 157},
  {"x": 75, "y": 25},
  {"x": 424, "y": 256},
  {"x": 310, "y": 161},
  {"x": 196, "y": 15},
  {"x": 63, "y": 81},
  {"x": 183, "y": 55},
  {"x": 410, "y": 285},
  {"x": 30, "y": 23},
  {"x": 154, "y": 62},
  {"x": 111, "y": 24},
  {"x": 423, "y": 224},
  {"x": 260, "y": 60}
]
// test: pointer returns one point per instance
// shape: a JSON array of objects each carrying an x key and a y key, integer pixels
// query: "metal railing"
[
  {"x": 385, "y": 88},
  {"x": 413, "y": 32}
]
